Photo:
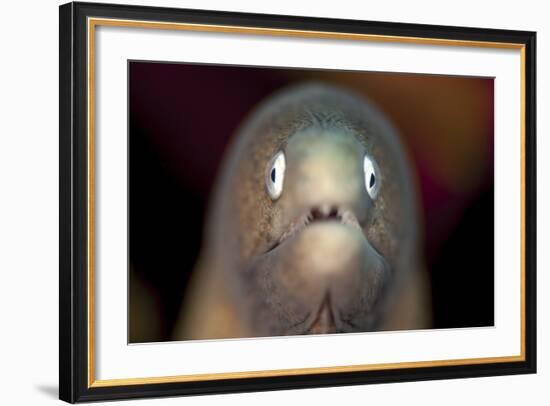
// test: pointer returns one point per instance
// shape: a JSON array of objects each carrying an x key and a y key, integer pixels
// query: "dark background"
[{"x": 182, "y": 116}]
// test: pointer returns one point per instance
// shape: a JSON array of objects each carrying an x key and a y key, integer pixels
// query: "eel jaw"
[
  {"x": 315, "y": 214},
  {"x": 325, "y": 308}
]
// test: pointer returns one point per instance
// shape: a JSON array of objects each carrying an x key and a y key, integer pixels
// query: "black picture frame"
[{"x": 74, "y": 200}]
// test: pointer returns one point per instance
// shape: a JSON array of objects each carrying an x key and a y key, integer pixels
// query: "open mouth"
[
  {"x": 323, "y": 213},
  {"x": 318, "y": 214},
  {"x": 326, "y": 213}
]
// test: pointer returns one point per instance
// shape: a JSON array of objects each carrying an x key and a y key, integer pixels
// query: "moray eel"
[{"x": 313, "y": 226}]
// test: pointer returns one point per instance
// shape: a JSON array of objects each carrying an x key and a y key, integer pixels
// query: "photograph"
[
  {"x": 255, "y": 202},
  {"x": 272, "y": 202}
]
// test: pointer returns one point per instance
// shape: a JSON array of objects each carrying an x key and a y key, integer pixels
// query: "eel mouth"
[{"x": 318, "y": 214}]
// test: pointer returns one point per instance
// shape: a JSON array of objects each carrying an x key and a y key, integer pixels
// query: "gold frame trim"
[{"x": 94, "y": 22}]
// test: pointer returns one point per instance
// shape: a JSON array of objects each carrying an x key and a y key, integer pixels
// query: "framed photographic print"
[{"x": 255, "y": 202}]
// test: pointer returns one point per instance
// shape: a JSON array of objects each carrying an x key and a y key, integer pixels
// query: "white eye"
[
  {"x": 275, "y": 175},
  {"x": 371, "y": 177}
]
